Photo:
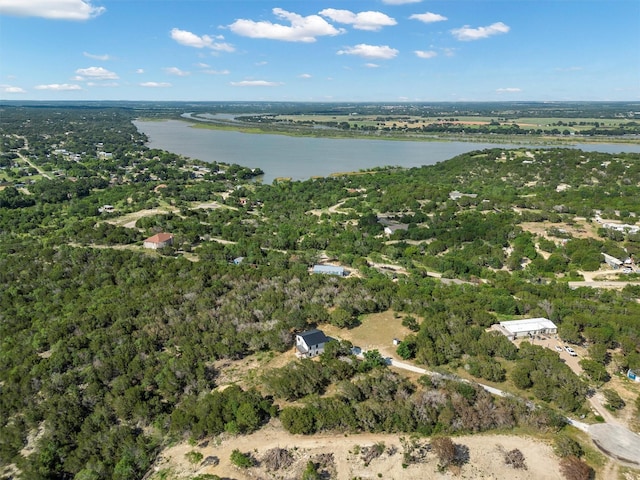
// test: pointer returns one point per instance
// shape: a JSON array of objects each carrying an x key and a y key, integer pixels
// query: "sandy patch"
[
  {"x": 129, "y": 220},
  {"x": 577, "y": 230},
  {"x": 486, "y": 458}
]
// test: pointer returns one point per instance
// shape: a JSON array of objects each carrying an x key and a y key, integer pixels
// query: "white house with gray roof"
[{"x": 310, "y": 343}]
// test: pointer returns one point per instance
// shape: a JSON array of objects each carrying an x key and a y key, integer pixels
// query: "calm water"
[{"x": 304, "y": 157}]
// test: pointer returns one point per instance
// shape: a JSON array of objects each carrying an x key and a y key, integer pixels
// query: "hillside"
[{"x": 112, "y": 352}]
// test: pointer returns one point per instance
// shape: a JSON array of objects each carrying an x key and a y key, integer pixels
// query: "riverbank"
[{"x": 298, "y": 130}]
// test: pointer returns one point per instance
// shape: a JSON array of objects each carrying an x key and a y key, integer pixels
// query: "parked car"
[
  {"x": 571, "y": 351},
  {"x": 558, "y": 348}
]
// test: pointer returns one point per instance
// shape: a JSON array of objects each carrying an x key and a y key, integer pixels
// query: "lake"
[{"x": 300, "y": 158}]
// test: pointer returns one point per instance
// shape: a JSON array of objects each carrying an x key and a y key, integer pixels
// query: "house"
[
  {"x": 329, "y": 270},
  {"x": 159, "y": 240},
  {"x": 526, "y": 327},
  {"x": 310, "y": 343},
  {"x": 391, "y": 229}
]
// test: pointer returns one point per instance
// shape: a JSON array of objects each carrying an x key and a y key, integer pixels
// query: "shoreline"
[{"x": 524, "y": 140}]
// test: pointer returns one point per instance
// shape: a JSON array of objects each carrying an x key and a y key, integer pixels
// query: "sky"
[{"x": 320, "y": 50}]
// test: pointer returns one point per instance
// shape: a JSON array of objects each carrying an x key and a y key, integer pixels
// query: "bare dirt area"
[
  {"x": 576, "y": 230},
  {"x": 342, "y": 456},
  {"x": 376, "y": 331},
  {"x": 129, "y": 220}
]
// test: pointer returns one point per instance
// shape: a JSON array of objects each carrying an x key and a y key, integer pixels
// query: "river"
[{"x": 300, "y": 158}]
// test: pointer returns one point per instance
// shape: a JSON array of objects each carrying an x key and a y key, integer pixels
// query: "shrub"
[
  {"x": 575, "y": 469},
  {"x": 194, "y": 456},
  {"x": 566, "y": 447},
  {"x": 241, "y": 460},
  {"x": 515, "y": 458},
  {"x": 614, "y": 401}
]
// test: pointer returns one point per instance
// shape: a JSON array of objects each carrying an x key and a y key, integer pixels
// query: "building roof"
[
  {"x": 611, "y": 259},
  {"x": 314, "y": 337},
  {"x": 159, "y": 238},
  {"x": 334, "y": 269},
  {"x": 528, "y": 325}
]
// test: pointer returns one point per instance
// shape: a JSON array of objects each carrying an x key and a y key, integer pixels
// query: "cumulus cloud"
[
  {"x": 371, "y": 65},
  {"x": 467, "y": 33},
  {"x": 95, "y": 73},
  {"x": 59, "y": 87},
  {"x": 508, "y": 90},
  {"x": 51, "y": 9},
  {"x": 255, "y": 83},
  {"x": 104, "y": 58},
  {"x": 210, "y": 71},
  {"x": 189, "y": 39},
  {"x": 372, "y": 21},
  {"x": 370, "y": 51},
  {"x": 300, "y": 29},
  {"x": 428, "y": 17},
  {"x": 400, "y": 2},
  {"x": 140, "y": 70},
  {"x": 102, "y": 84},
  {"x": 176, "y": 71},
  {"x": 304, "y": 75},
  {"x": 11, "y": 89},
  {"x": 155, "y": 84},
  {"x": 425, "y": 53}
]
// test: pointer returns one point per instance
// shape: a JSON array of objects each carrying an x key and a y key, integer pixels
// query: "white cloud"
[
  {"x": 467, "y": 33},
  {"x": 202, "y": 65},
  {"x": 372, "y": 21},
  {"x": 51, "y": 9},
  {"x": 188, "y": 39},
  {"x": 400, "y": 2},
  {"x": 428, "y": 17},
  {"x": 95, "y": 73},
  {"x": 216, "y": 72},
  {"x": 140, "y": 70},
  {"x": 155, "y": 84},
  {"x": 59, "y": 87},
  {"x": 255, "y": 83},
  {"x": 261, "y": 63},
  {"x": 176, "y": 71},
  {"x": 301, "y": 29},
  {"x": 425, "y": 53},
  {"x": 102, "y": 84},
  {"x": 11, "y": 89},
  {"x": 371, "y": 65},
  {"x": 104, "y": 58},
  {"x": 508, "y": 90},
  {"x": 304, "y": 75},
  {"x": 370, "y": 51}
]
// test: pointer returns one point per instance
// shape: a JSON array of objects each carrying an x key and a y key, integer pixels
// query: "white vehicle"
[
  {"x": 571, "y": 351},
  {"x": 558, "y": 348}
]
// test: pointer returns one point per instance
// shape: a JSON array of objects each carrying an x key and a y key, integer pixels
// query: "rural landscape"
[{"x": 164, "y": 317}]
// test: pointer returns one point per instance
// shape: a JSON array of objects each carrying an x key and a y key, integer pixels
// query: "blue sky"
[{"x": 320, "y": 50}]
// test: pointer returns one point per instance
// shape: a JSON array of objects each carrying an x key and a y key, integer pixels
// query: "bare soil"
[{"x": 486, "y": 457}]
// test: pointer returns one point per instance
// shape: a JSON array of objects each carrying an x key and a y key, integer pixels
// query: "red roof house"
[{"x": 159, "y": 240}]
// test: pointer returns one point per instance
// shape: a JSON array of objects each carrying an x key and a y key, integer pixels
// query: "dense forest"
[{"x": 107, "y": 349}]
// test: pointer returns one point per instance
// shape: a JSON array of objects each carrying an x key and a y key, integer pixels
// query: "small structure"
[
  {"x": 612, "y": 261},
  {"x": 159, "y": 240},
  {"x": 631, "y": 375},
  {"x": 456, "y": 195},
  {"x": 238, "y": 260},
  {"x": 526, "y": 327},
  {"x": 310, "y": 343},
  {"x": 394, "y": 227},
  {"x": 329, "y": 270}
]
